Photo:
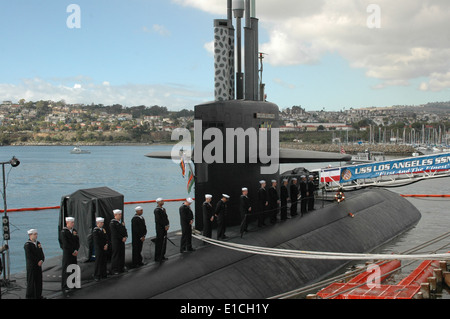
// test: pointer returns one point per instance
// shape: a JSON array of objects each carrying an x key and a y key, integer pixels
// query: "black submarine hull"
[
  {"x": 213, "y": 272},
  {"x": 229, "y": 178}
]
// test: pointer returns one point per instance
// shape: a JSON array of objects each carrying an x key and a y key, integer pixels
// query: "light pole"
[{"x": 14, "y": 162}]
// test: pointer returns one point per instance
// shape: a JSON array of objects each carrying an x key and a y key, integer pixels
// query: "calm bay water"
[{"x": 47, "y": 173}]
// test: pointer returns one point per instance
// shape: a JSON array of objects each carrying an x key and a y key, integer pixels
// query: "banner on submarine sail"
[{"x": 412, "y": 165}]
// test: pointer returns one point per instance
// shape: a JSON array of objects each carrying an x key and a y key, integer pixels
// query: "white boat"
[
  {"x": 368, "y": 157},
  {"x": 78, "y": 150},
  {"x": 436, "y": 150}
]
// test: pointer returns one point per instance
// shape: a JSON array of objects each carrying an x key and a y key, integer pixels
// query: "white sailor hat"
[
  {"x": 226, "y": 196},
  {"x": 285, "y": 179},
  {"x": 303, "y": 176},
  {"x": 117, "y": 211},
  {"x": 189, "y": 200},
  {"x": 70, "y": 219},
  {"x": 294, "y": 179},
  {"x": 311, "y": 176},
  {"x": 32, "y": 231},
  {"x": 244, "y": 189},
  {"x": 138, "y": 208},
  {"x": 159, "y": 199},
  {"x": 273, "y": 181},
  {"x": 208, "y": 196},
  {"x": 262, "y": 182},
  {"x": 99, "y": 219}
]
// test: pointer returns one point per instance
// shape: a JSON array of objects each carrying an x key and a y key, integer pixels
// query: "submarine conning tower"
[{"x": 239, "y": 107}]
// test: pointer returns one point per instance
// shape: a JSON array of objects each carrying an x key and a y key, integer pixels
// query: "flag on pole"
[
  {"x": 183, "y": 166},
  {"x": 191, "y": 181},
  {"x": 191, "y": 177},
  {"x": 342, "y": 150}
]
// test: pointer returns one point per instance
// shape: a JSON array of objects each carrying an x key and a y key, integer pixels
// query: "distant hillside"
[{"x": 432, "y": 107}]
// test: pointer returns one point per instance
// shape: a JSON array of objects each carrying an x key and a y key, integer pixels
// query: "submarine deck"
[
  {"x": 158, "y": 280},
  {"x": 52, "y": 267}
]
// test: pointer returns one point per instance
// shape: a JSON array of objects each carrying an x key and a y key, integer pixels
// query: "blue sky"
[{"x": 155, "y": 52}]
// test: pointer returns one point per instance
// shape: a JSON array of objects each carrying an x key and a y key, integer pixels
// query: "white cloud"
[
  {"x": 174, "y": 96},
  {"x": 211, "y": 6},
  {"x": 437, "y": 82},
  {"x": 161, "y": 30},
  {"x": 413, "y": 41},
  {"x": 158, "y": 29},
  {"x": 284, "y": 83},
  {"x": 209, "y": 47}
]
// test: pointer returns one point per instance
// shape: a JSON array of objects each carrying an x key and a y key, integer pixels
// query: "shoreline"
[
  {"x": 387, "y": 149},
  {"x": 90, "y": 144}
]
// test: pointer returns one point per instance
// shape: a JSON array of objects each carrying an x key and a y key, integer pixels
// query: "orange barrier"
[
  {"x": 58, "y": 207},
  {"x": 405, "y": 289},
  {"x": 424, "y": 195}
]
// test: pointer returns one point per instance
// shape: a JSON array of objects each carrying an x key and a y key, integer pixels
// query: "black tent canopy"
[{"x": 85, "y": 205}]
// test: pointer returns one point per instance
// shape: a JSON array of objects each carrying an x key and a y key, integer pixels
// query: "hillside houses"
[
  {"x": 98, "y": 120},
  {"x": 48, "y": 116}
]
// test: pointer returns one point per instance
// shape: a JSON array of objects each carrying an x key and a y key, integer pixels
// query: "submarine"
[
  {"x": 364, "y": 221},
  {"x": 213, "y": 272},
  {"x": 251, "y": 152}
]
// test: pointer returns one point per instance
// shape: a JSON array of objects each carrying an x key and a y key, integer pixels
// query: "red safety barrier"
[
  {"x": 342, "y": 290},
  {"x": 30, "y": 209},
  {"x": 58, "y": 207},
  {"x": 405, "y": 289}
]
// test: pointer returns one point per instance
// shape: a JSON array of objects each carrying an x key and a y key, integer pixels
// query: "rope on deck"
[{"x": 301, "y": 254}]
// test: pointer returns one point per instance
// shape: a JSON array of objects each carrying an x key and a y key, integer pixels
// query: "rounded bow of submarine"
[{"x": 215, "y": 272}]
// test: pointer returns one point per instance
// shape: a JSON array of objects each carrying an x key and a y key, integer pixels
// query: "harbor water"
[{"x": 47, "y": 173}]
